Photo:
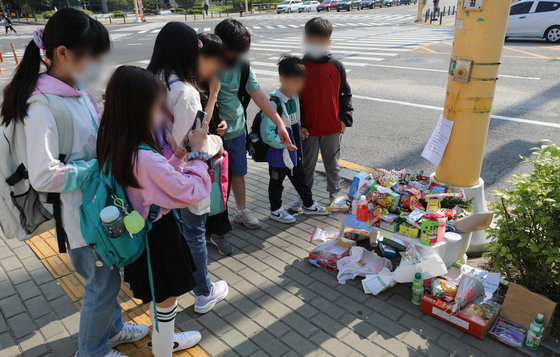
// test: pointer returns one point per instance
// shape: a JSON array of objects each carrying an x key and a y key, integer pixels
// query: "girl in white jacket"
[
  {"x": 74, "y": 44},
  {"x": 176, "y": 61}
]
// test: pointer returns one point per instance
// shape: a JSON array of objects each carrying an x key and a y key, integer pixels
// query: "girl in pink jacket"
[{"x": 133, "y": 114}]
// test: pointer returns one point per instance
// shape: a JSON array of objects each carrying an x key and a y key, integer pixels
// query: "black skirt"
[{"x": 172, "y": 263}]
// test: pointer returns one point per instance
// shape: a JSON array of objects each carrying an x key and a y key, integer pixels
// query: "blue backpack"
[{"x": 101, "y": 190}]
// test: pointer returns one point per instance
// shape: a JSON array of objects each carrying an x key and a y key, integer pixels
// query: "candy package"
[
  {"x": 338, "y": 205},
  {"x": 444, "y": 289},
  {"x": 355, "y": 234},
  {"x": 413, "y": 203},
  {"x": 509, "y": 333},
  {"x": 376, "y": 215},
  {"x": 414, "y": 217}
]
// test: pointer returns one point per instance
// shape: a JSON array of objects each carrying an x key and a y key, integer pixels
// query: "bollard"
[
  {"x": 124, "y": 19},
  {"x": 432, "y": 16},
  {"x": 426, "y": 15},
  {"x": 110, "y": 21},
  {"x": 194, "y": 15},
  {"x": 212, "y": 14},
  {"x": 185, "y": 17},
  {"x": 440, "y": 17},
  {"x": 202, "y": 12},
  {"x": 15, "y": 54}
]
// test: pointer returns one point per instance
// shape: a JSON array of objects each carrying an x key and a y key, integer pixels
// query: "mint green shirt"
[{"x": 231, "y": 109}]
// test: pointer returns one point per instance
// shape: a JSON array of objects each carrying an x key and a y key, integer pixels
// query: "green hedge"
[{"x": 119, "y": 14}]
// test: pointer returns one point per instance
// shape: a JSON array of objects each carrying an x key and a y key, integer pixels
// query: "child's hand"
[
  {"x": 343, "y": 127},
  {"x": 222, "y": 127},
  {"x": 304, "y": 133},
  {"x": 199, "y": 136}
]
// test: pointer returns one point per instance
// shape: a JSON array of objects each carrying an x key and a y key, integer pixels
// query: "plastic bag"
[
  {"x": 338, "y": 205},
  {"x": 444, "y": 289},
  {"x": 470, "y": 287},
  {"x": 322, "y": 235},
  {"x": 360, "y": 262}
]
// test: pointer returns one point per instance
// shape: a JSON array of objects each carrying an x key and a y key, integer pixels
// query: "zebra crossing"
[{"x": 354, "y": 48}]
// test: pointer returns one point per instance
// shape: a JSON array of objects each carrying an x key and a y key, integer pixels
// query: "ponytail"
[
  {"x": 20, "y": 88},
  {"x": 68, "y": 27}
]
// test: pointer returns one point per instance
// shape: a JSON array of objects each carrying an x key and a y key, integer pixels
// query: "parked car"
[
  {"x": 308, "y": 6},
  {"x": 371, "y": 4},
  {"x": 535, "y": 19},
  {"x": 349, "y": 5},
  {"x": 408, "y": 2},
  {"x": 391, "y": 2},
  {"x": 288, "y": 6},
  {"x": 327, "y": 5}
]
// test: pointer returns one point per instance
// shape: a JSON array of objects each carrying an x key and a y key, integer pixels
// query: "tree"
[
  {"x": 33, "y": 4},
  {"x": 114, "y": 5}
]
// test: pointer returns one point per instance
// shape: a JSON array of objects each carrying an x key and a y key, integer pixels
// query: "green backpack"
[{"x": 101, "y": 190}]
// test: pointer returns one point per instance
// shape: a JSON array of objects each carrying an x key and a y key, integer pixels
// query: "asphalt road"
[{"x": 397, "y": 71}]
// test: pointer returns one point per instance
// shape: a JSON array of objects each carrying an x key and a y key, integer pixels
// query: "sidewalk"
[{"x": 279, "y": 304}]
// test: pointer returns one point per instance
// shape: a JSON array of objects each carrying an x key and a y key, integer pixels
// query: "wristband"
[{"x": 198, "y": 155}]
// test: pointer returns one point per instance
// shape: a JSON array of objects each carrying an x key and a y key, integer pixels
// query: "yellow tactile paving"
[{"x": 60, "y": 266}]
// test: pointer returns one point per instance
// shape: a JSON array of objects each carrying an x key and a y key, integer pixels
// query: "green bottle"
[
  {"x": 417, "y": 288},
  {"x": 534, "y": 335}
]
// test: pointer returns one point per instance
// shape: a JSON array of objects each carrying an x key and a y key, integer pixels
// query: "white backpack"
[{"x": 24, "y": 212}]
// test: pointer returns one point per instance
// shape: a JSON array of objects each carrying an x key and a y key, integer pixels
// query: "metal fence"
[{"x": 438, "y": 14}]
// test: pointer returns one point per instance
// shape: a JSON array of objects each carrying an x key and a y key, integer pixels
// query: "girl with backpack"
[
  {"x": 37, "y": 101},
  {"x": 175, "y": 60},
  {"x": 133, "y": 114}
]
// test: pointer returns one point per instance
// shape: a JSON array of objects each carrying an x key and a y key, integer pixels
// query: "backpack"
[
  {"x": 259, "y": 147},
  {"x": 245, "y": 99},
  {"x": 101, "y": 190},
  {"x": 220, "y": 181},
  {"x": 25, "y": 212}
]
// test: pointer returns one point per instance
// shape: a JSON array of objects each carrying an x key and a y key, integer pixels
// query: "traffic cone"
[
  {"x": 15, "y": 54},
  {"x": 1, "y": 56}
]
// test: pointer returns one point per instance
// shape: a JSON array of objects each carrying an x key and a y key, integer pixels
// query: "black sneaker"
[{"x": 220, "y": 242}]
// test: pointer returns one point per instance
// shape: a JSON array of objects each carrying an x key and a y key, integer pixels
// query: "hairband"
[
  {"x": 38, "y": 37},
  {"x": 200, "y": 45}
]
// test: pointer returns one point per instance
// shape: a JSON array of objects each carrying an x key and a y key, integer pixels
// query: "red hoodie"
[{"x": 326, "y": 100}]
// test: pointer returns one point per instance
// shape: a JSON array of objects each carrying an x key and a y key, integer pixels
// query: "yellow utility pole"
[
  {"x": 477, "y": 49},
  {"x": 136, "y": 10},
  {"x": 421, "y": 4}
]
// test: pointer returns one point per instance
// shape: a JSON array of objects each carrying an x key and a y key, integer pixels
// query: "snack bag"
[
  {"x": 470, "y": 287},
  {"x": 413, "y": 203},
  {"x": 376, "y": 215},
  {"x": 338, "y": 205},
  {"x": 444, "y": 289}
]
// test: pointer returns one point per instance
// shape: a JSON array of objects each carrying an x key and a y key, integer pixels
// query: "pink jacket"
[{"x": 167, "y": 183}]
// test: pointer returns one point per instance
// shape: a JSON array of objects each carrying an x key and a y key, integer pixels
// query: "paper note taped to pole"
[{"x": 435, "y": 147}]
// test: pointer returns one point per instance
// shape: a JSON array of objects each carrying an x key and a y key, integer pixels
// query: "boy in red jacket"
[{"x": 326, "y": 105}]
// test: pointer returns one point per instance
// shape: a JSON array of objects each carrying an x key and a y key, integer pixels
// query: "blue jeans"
[
  {"x": 196, "y": 239},
  {"x": 101, "y": 315}
]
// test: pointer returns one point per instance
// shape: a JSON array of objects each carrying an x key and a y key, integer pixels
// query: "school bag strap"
[
  {"x": 65, "y": 128},
  {"x": 242, "y": 94}
]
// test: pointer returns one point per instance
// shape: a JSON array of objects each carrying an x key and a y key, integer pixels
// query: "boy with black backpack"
[
  {"x": 283, "y": 162},
  {"x": 238, "y": 86}
]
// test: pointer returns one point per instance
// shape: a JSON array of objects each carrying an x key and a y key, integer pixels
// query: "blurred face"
[
  {"x": 292, "y": 85},
  {"x": 82, "y": 68},
  {"x": 208, "y": 66},
  {"x": 158, "y": 114},
  {"x": 316, "y": 46},
  {"x": 231, "y": 57}
]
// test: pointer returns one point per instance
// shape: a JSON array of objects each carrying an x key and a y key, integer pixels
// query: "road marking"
[
  {"x": 525, "y": 52},
  {"x": 281, "y": 26},
  {"x": 257, "y": 27},
  {"x": 155, "y": 31},
  {"x": 134, "y": 44},
  {"x": 269, "y": 27},
  {"x": 206, "y": 29},
  {"x": 433, "y": 107},
  {"x": 143, "y": 31},
  {"x": 265, "y": 72},
  {"x": 293, "y": 25}
]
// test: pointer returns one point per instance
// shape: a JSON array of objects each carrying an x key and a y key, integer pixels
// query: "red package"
[
  {"x": 448, "y": 212},
  {"x": 413, "y": 203},
  {"x": 414, "y": 191}
]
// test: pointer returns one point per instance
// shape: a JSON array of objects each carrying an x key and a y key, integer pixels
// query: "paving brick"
[
  {"x": 271, "y": 324},
  {"x": 61, "y": 345},
  {"x": 6, "y": 289},
  {"x": 21, "y": 325},
  {"x": 300, "y": 324},
  {"x": 214, "y": 323},
  {"x": 420, "y": 326},
  {"x": 72, "y": 323},
  {"x": 393, "y": 345},
  {"x": 50, "y": 326},
  {"x": 246, "y": 306},
  {"x": 243, "y": 324},
  {"x": 239, "y": 343},
  {"x": 11, "y": 306},
  {"x": 5, "y": 252},
  {"x": 32, "y": 263},
  {"x": 423, "y": 345},
  {"x": 33, "y": 345},
  {"x": 27, "y": 290},
  {"x": 51, "y": 290},
  {"x": 326, "y": 306},
  {"x": 11, "y": 263},
  {"x": 300, "y": 344},
  {"x": 457, "y": 346},
  {"x": 41, "y": 276},
  {"x": 212, "y": 345},
  {"x": 331, "y": 344},
  {"x": 24, "y": 252},
  {"x": 3, "y": 325},
  {"x": 37, "y": 306},
  {"x": 364, "y": 346},
  {"x": 8, "y": 346},
  {"x": 325, "y": 291},
  {"x": 273, "y": 306},
  {"x": 18, "y": 276},
  {"x": 270, "y": 344}
]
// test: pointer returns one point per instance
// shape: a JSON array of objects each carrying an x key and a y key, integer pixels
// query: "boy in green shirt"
[{"x": 237, "y": 41}]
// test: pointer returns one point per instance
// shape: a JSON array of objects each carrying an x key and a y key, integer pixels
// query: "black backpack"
[{"x": 258, "y": 145}]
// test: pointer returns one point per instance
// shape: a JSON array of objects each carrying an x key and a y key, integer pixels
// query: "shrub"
[
  {"x": 48, "y": 14},
  {"x": 525, "y": 242},
  {"x": 119, "y": 14}
]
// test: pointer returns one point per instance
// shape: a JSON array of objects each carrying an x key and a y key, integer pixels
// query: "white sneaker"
[
  {"x": 113, "y": 353},
  {"x": 296, "y": 205},
  {"x": 246, "y": 218},
  {"x": 184, "y": 340},
  {"x": 130, "y": 332},
  {"x": 282, "y": 216},
  {"x": 315, "y": 210},
  {"x": 218, "y": 292}
]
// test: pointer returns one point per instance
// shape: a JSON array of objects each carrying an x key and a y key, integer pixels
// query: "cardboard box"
[{"x": 520, "y": 306}]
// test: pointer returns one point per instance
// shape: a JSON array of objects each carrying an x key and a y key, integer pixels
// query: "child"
[
  {"x": 74, "y": 44},
  {"x": 211, "y": 56},
  {"x": 133, "y": 112},
  {"x": 175, "y": 61},
  {"x": 325, "y": 116},
  {"x": 282, "y": 162},
  {"x": 237, "y": 40}
]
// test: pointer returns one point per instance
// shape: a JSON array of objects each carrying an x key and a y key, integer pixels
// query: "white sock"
[{"x": 162, "y": 341}]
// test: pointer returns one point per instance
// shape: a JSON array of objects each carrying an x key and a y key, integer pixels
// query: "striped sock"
[{"x": 162, "y": 341}]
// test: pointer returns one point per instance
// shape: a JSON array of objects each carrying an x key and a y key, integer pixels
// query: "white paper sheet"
[{"x": 435, "y": 147}]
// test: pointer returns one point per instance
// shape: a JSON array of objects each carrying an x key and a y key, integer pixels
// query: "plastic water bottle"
[
  {"x": 362, "y": 215},
  {"x": 534, "y": 335},
  {"x": 417, "y": 288},
  {"x": 112, "y": 220}
]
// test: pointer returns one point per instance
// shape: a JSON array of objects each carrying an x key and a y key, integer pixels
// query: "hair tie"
[
  {"x": 200, "y": 45},
  {"x": 38, "y": 37}
]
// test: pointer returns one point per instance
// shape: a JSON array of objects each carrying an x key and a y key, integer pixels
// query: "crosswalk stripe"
[
  {"x": 195, "y": 29},
  {"x": 155, "y": 31},
  {"x": 143, "y": 31},
  {"x": 269, "y": 27},
  {"x": 257, "y": 27},
  {"x": 265, "y": 72},
  {"x": 281, "y": 26},
  {"x": 336, "y": 49},
  {"x": 293, "y": 25},
  {"x": 206, "y": 29}
]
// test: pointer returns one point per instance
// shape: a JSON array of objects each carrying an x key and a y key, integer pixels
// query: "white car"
[
  {"x": 308, "y": 6},
  {"x": 288, "y": 6},
  {"x": 532, "y": 18}
]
